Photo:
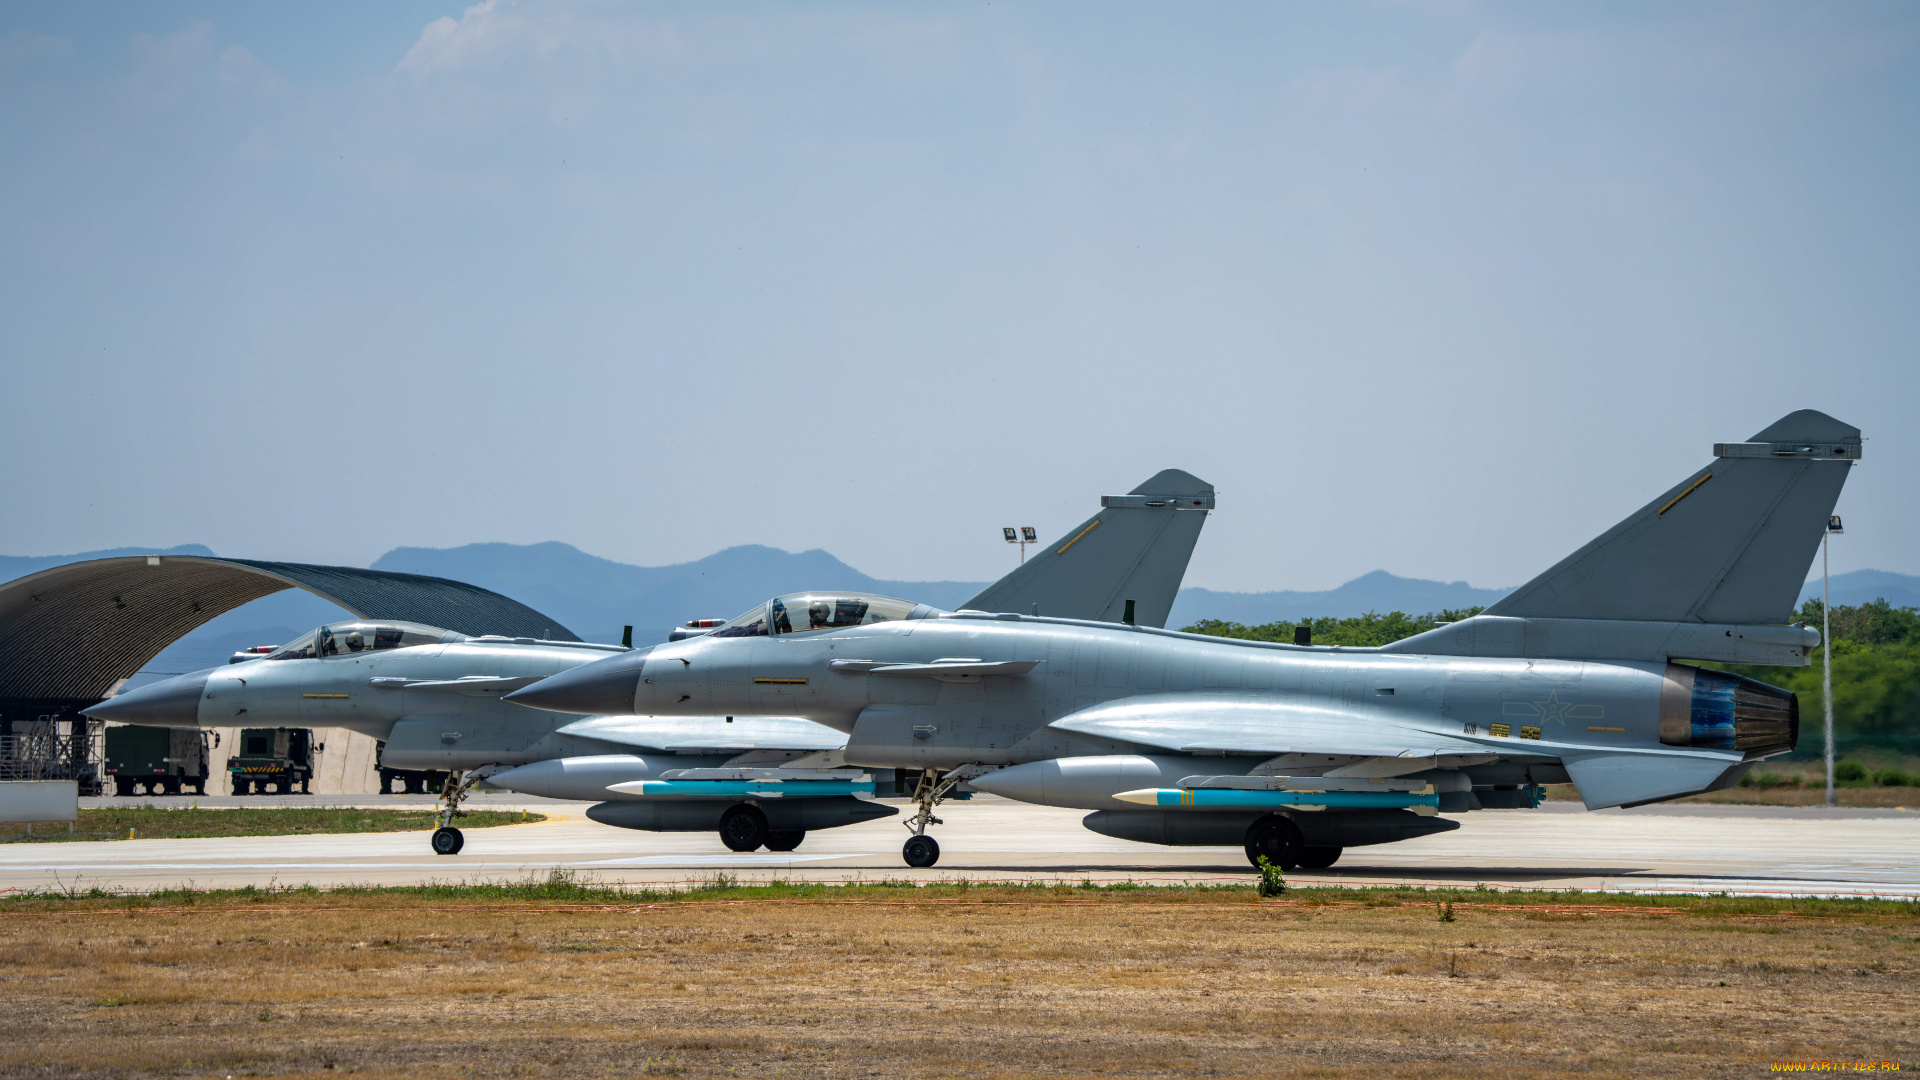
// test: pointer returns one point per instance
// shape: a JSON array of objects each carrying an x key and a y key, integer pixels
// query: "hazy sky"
[{"x": 1440, "y": 288}]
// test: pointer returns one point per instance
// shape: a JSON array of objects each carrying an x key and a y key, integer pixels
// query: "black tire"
[
  {"x": 448, "y": 841},
  {"x": 413, "y": 786},
  {"x": 123, "y": 786},
  {"x": 785, "y": 841},
  {"x": 200, "y": 786},
  {"x": 1318, "y": 858},
  {"x": 743, "y": 827},
  {"x": 1276, "y": 838},
  {"x": 921, "y": 851},
  {"x": 173, "y": 785},
  {"x": 241, "y": 785},
  {"x": 386, "y": 784}
]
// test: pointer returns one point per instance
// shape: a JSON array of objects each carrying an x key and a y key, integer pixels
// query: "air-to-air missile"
[
  {"x": 1297, "y": 751},
  {"x": 435, "y": 698}
]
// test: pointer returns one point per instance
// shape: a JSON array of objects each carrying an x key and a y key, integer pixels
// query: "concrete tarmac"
[{"x": 1771, "y": 851}]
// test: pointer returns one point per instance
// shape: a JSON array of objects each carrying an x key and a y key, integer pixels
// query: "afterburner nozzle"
[
  {"x": 172, "y": 702},
  {"x": 601, "y": 688}
]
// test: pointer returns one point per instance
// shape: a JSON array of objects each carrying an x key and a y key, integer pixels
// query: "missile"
[
  {"x": 735, "y": 789},
  {"x": 1234, "y": 798}
]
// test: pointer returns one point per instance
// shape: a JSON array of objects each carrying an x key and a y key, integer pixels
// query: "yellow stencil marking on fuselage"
[
  {"x": 1703, "y": 479},
  {"x": 1076, "y": 539}
]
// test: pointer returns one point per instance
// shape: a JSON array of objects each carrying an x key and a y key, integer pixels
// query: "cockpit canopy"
[
  {"x": 348, "y": 638},
  {"x": 799, "y": 613}
]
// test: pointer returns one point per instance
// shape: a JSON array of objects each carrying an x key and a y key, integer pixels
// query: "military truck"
[
  {"x": 163, "y": 760},
  {"x": 412, "y": 781},
  {"x": 281, "y": 757}
]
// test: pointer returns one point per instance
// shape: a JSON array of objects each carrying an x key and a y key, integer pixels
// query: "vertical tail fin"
[
  {"x": 1134, "y": 551},
  {"x": 1731, "y": 543}
]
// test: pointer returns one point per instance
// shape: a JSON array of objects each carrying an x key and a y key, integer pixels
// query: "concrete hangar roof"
[{"x": 70, "y": 633}]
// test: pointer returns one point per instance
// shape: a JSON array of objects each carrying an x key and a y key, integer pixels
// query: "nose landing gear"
[
  {"x": 920, "y": 849},
  {"x": 448, "y": 840}
]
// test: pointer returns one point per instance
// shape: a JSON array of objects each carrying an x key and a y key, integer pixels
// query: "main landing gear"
[
  {"x": 744, "y": 828},
  {"x": 1279, "y": 840},
  {"x": 920, "y": 849}
]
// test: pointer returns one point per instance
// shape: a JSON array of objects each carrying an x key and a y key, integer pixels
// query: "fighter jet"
[
  {"x": 434, "y": 696},
  {"x": 1297, "y": 751}
]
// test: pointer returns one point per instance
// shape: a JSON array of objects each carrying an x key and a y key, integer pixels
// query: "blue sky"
[{"x": 1440, "y": 288}]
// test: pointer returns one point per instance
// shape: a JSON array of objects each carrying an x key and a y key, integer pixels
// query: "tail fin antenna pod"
[
  {"x": 1134, "y": 551},
  {"x": 1731, "y": 543}
]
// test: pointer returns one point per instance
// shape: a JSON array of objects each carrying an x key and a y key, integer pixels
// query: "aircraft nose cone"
[
  {"x": 172, "y": 703},
  {"x": 602, "y": 687}
]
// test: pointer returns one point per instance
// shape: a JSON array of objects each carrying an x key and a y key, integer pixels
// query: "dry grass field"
[{"x": 559, "y": 980}]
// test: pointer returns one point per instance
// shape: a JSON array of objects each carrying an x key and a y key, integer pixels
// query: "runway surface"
[{"x": 1774, "y": 851}]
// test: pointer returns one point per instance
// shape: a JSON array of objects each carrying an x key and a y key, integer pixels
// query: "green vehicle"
[
  {"x": 163, "y": 760},
  {"x": 281, "y": 757}
]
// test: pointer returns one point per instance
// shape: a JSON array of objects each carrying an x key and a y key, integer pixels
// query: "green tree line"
[
  {"x": 1876, "y": 666},
  {"x": 1372, "y": 628}
]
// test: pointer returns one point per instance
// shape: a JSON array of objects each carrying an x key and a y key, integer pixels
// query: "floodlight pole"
[
  {"x": 1023, "y": 542},
  {"x": 1826, "y": 657}
]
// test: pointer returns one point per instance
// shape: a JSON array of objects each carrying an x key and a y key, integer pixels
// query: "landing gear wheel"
[
  {"x": 1318, "y": 858},
  {"x": 448, "y": 841},
  {"x": 921, "y": 851},
  {"x": 1276, "y": 838},
  {"x": 743, "y": 827},
  {"x": 785, "y": 841}
]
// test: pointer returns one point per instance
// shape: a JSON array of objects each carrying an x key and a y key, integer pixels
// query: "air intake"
[{"x": 1715, "y": 710}]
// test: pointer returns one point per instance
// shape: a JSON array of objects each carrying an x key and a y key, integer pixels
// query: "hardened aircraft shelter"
[{"x": 71, "y": 635}]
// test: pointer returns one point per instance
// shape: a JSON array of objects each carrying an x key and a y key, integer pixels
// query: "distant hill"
[
  {"x": 596, "y": 597},
  {"x": 1378, "y": 591},
  {"x": 17, "y": 566},
  {"x": 1865, "y": 586}
]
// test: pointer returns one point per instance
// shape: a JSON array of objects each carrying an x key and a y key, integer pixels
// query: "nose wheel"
[
  {"x": 448, "y": 841},
  {"x": 921, "y": 851}
]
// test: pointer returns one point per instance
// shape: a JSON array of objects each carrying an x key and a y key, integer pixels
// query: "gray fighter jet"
[
  {"x": 1297, "y": 751},
  {"x": 435, "y": 697}
]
